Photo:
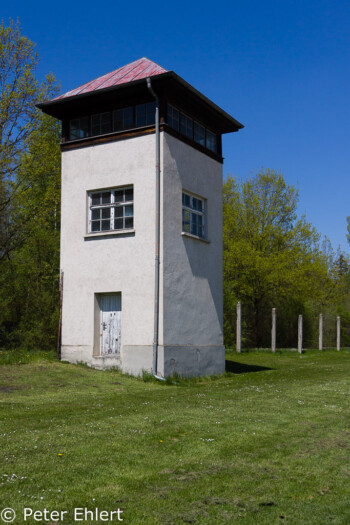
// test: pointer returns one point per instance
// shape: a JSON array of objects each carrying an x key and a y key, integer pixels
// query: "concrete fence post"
[
  {"x": 273, "y": 331},
  {"x": 239, "y": 329},
  {"x": 300, "y": 334},
  {"x": 320, "y": 332},
  {"x": 338, "y": 333}
]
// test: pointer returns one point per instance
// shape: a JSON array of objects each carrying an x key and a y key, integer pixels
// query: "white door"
[{"x": 110, "y": 324}]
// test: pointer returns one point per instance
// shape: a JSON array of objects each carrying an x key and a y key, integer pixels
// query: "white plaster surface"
[
  {"x": 192, "y": 269},
  {"x": 190, "y": 324},
  {"x": 107, "y": 264}
]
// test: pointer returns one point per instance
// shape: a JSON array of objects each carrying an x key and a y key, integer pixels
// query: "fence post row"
[
  {"x": 273, "y": 330},
  {"x": 239, "y": 329}
]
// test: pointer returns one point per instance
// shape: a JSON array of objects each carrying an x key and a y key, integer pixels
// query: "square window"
[
  {"x": 79, "y": 128},
  {"x": 193, "y": 215},
  {"x": 111, "y": 210}
]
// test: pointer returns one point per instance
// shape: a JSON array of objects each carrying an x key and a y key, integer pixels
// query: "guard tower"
[{"x": 142, "y": 260}]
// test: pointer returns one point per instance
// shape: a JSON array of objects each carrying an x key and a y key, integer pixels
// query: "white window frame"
[
  {"x": 191, "y": 208},
  {"x": 113, "y": 205}
]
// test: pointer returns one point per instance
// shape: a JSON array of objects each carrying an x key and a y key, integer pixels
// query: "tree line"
[
  {"x": 272, "y": 257},
  {"x": 275, "y": 259}
]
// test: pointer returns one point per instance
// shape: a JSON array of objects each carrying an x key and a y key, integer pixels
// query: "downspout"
[{"x": 157, "y": 243}]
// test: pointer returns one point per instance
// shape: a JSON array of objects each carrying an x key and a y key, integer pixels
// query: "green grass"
[{"x": 266, "y": 443}]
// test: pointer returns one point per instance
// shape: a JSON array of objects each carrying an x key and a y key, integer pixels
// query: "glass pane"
[
  {"x": 173, "y": 117},
  {"x": 95, "y": 215},
  {"x": 141, "y": 115},
  {"x": 118, "y": 120},
  {"x": 186, "y": 215},
  {"x": 106, "y": 213},
  {"x": 199, "y": 134},
  {"x": 74, "y": 129},
  {"x": 95, "y": 226},
  {"x": 194, "y": 203},
  {"x": 186, "y": 200},
  {"x": 118, "y": 224},
  {"x": 199, "y": 205},
  {"x": 105, "y": 122},
  {"x": 151, "y": 111},
  {"x": 106, "y": 225},
  {"x": 118, "y": 211},
  {"x": 128, "y": 118},
  {"x": 129, "y": 211},
  {"x": 189, "y": 128},
  {"x": 95, "y": 199},
  {"x": 183, "y": 119},
  {"x": 211, "y": 141},
  {"x": 129, "y": 195},
  {"x": 119, "y": 196},
  {"x": 95, "y": 125},
  {"x": 129, "y": 222},
  {"x": 84, "y": 127},
  {"x": 186, "y": 221},
  {"x": 106, "y": 197}
]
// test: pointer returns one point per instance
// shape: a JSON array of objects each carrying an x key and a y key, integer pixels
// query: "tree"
[
  {"x": 20, "y": 92},
  {"x": 271, "y": 257},
  {"x": 30, "y": 275},
  {"x": 348, "y": 228}
]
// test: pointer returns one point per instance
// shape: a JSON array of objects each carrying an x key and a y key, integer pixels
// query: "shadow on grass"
[{"x": 241, "y": 368}]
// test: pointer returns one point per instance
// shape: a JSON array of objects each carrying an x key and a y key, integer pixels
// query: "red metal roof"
[{"x": 141, "y": 68}]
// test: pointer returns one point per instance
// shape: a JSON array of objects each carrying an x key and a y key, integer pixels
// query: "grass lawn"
[{"x": 266, "y": 443}]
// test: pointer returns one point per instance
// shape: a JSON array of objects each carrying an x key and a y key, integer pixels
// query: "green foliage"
[
  {"x": 20, "y": 91},
  {"x": 29, "y": 198},
  {"x": 29, "y": 278},
  {"x": 271, "y": 259},
  {"x": 18, "y": 356}
]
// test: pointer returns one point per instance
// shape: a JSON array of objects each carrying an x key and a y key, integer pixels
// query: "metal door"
[{"x": 110, "y": 324}]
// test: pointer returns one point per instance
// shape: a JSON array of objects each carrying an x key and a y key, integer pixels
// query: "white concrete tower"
[{"x": 108, "y": 233}]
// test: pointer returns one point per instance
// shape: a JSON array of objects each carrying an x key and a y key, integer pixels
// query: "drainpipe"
[{"x": 156, "y": 267}]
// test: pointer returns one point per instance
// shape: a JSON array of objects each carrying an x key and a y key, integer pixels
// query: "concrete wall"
[
  {"x": 192, "y": 268},
  {"x": 101, "y": 264},
  {"x": 190, "y": 325}
]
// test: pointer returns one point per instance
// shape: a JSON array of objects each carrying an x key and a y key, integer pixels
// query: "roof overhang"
[{"x": 167, "y": 84}]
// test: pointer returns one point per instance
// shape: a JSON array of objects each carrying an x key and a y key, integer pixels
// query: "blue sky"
[{"x": 282, "y": 68}]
